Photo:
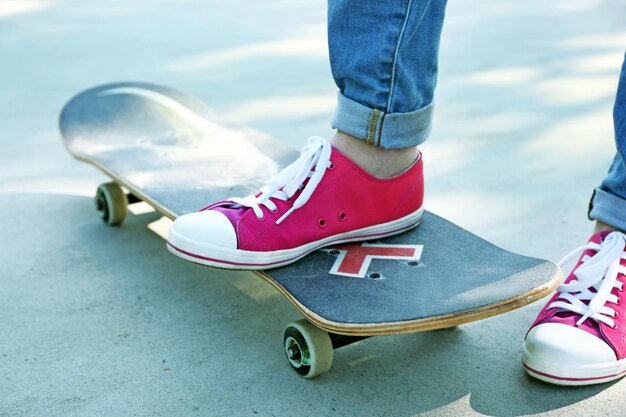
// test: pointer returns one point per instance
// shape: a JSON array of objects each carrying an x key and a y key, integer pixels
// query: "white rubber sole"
[
  {"x": 220, "y": 257},
  {"x": 567, "y": 374}
]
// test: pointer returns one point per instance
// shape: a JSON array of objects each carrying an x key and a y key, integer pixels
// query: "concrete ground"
[{"x": 96, "y": 321}]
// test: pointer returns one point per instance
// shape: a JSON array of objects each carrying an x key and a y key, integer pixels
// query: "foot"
[
  {"x": 578, "y": 337},
  {"x": 323, "y": 198}
]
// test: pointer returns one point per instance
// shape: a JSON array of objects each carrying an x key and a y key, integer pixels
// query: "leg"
[
  {"x": 368, "y": 185},
  {"x": 578, "y": 337},
  {"x": 383, "y": 58},
  {"x": 608, "y": 203}
]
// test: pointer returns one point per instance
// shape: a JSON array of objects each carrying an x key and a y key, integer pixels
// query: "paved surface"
[{"x": 102, "y": 321}]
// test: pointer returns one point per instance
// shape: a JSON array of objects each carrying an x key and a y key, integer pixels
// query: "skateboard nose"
[{"x": 208, "y": 226}]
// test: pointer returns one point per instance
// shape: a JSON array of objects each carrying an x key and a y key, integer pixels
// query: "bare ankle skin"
[
  {"x": 601, "y": 227},
  {"x": 381, "y": 163}
]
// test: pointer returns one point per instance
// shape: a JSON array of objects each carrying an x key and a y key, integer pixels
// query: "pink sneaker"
[
  {"x": 579, "y": 337},
  {"x": 322, "y": 199}
]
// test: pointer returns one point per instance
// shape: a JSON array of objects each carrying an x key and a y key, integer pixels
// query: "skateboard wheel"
[
  {"x": 308, "y": 349},
  {"x": 111, "y": 203}
]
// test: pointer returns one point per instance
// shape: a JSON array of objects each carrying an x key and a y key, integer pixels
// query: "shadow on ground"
[{"x": 104, "y": 318}]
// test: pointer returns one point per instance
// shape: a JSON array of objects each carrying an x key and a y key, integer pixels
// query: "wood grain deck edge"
[{"x": 431, "y": 323}]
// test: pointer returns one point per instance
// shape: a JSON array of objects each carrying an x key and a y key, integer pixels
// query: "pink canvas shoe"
[
  {"x": 322, "y": 199},
  {"x": 579, "y": 337}
]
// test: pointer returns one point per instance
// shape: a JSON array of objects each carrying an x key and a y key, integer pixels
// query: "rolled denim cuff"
[
  {"x": 608, "y": 208},
  {"x": 384, "y": 130}
]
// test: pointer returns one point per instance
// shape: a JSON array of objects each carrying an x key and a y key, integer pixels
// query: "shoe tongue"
[
  {"x": 232, "y": 211},
  {"x": 600, "y": 236},
  {"x": 596, "y": 238}
]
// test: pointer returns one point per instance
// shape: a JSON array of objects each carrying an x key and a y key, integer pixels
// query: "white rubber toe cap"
[
  {"x": 565, "y": 345},
  {"x": 204, "y": 228}
]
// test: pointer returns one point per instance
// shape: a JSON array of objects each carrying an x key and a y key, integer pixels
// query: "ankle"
[
  {"x": 603, "y": 227},
  {"x": 381, "y": 163}
]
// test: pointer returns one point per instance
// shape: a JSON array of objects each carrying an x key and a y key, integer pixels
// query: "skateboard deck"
[{"x": 168, "y": 149}]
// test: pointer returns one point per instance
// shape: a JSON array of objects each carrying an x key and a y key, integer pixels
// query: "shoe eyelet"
[
  {"x": 342, "y": 216},
  {"x": 288, "y": 200},
  {"x": 261, "y": 219},
  {"x": 321, "y": 223},
  {"x": 274, "y": 211},
  {"x": 615, "y": 327},
  {"x": 619, "y": 301},
  {"x": 331, "y": 166},
  {"x": 616, "y": 314}
]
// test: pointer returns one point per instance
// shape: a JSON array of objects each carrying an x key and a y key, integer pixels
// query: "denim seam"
[
  {"x": 380, "y": 129},
  {"x": 395, "y": 55},
  {"x": 371, "y": 138},
  {"x": 394, "y": 61}
]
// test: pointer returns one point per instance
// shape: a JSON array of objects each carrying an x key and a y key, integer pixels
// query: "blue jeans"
[
  {"x": 383, "y": 56},
  {"x": 608, "y": 203}
]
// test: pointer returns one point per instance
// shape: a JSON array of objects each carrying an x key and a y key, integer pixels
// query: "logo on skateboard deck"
[{"x": 354, "y": 259}]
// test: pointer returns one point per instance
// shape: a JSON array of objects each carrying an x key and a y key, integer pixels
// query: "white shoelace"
[
  {"x": 313, "y": 161},
  {"x": 598, "y": 272}
]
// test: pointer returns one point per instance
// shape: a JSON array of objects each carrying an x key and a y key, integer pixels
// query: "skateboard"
[{"x": 167, "y": 149}]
